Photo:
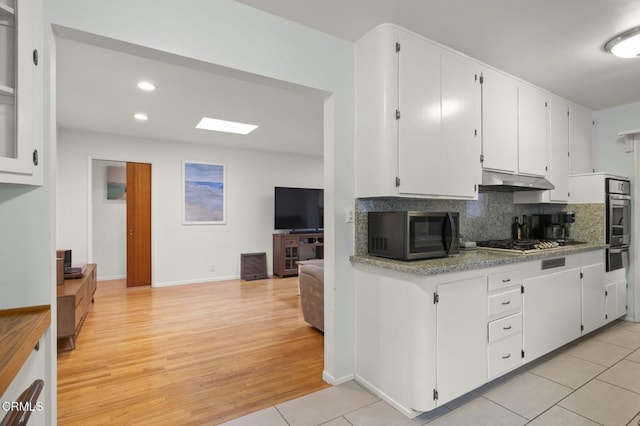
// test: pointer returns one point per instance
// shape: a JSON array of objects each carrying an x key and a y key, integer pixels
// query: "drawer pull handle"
[
  {"x": 507, "y": 302},
  {"x": 506, "y": 328},
  {"x": 507, "y": 356},
  {"x": 506, "y": 280}
]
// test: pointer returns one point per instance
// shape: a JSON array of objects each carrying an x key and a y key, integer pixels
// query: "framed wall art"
[
  {"x": 204, "y": 191},
  {"x": 116, "y": 183}
]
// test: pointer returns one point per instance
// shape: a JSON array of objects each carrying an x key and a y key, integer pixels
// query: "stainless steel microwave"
[{"x": 412, "y": 235}]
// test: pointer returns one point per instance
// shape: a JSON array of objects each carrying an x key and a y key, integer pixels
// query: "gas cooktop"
[{"x": 522, "y": 246}]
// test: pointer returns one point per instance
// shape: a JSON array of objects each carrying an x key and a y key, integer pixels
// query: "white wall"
[
  {"x": 109, "y": 221},
  {"x": 236, "y": 36},
  {"x": 610, "y": 156},
  {"x": 609, "y": 147},
  {"x": 181, "y": 253}
]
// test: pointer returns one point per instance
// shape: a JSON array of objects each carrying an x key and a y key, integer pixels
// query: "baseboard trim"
[
  {"x": 386, "y": 398},
  {"x": 196, "y": 281},
  {"x": 328, "y": 377}
]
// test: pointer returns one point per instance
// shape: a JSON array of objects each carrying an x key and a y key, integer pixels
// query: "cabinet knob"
[
  {"x": 507, "y": 302},
  {"x": 35, "y": 57},
  {"x": 507, "y": 356},
  {"x": 35, "y": 157}
]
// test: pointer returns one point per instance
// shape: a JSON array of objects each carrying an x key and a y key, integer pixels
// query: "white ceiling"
[
  {"x": 96, "y": 91},
  {"x": 554, "y": 44}
]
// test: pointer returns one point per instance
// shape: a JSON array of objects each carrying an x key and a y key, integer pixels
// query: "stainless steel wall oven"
[{"x": 618, "y": 222}]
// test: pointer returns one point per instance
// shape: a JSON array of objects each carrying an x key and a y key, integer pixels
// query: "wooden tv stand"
[
  {"x": 291, "y": 248},
  {"x": 75, "y": 297}
]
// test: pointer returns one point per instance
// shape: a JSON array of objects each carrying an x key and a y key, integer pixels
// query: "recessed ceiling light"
[
  {"x": 225, "y": 126},
  {"x": 625, "y": 45},
  {"x": 140, "y": 116},
  {"x": 147, "y": 86}
]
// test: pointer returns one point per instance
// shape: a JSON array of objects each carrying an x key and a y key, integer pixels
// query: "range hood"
[{"x": 505, "y": 182}]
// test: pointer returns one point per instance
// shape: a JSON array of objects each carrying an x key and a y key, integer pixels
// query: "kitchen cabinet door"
[
  {"x": 616, "y": 300},
  {"x": 558, "y": 170},
  {"x": 461, "y": 123},
  {"x": 418, "y": 121},
  {"x": 499, "y": 121},
  {"x": 461, "y": 337},
  {"x": 420, "y": 150},
  {"x": 580, "y": 140},
  {"x": 593, "y": 297},
  {"x": 20, "y": 93},
  {"x": 532, "y": 131},
  {"x": 559, "y": 150},
  {"x": 551, "y": 312}
]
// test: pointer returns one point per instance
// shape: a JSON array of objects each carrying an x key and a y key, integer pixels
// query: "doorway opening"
[{"x": 121, "y": 220}]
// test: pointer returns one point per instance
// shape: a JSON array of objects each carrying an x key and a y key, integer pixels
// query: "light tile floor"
[{"x": 595, "y": 381}]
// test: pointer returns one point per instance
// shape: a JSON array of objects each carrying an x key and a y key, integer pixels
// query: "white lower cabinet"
[
  {"x": 424, "y": 341},
  {"x": 616, "y": 300},
  {"x": 461, "y": 343},
  {"x": 593, "y": 297},
  {"x": 552, "y": 312},
  {"x": 505, "y": 327},
  {"x": 505, "y": 355},
  {"x": 505, "y": 302}
]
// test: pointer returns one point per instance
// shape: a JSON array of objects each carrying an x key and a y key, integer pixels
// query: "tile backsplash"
[{"x": 488, "y": 217}]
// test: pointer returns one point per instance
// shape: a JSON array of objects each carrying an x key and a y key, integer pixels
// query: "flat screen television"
[{"x": 299, "y": 209}]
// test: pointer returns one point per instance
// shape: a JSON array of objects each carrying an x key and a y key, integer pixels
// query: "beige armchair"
[{"x": 312, "y": 294}]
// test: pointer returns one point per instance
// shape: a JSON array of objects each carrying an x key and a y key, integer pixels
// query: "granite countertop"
[{"x": 469, "y": 260}]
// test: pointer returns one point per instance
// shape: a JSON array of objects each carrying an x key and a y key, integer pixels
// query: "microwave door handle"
[{"x": 452, "y": 228}]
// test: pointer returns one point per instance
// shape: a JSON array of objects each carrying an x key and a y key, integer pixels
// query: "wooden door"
[{"x": 138, "y": 224}]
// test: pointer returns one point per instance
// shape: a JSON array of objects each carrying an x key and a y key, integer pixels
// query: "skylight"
[{"x": 225, "y": 126}]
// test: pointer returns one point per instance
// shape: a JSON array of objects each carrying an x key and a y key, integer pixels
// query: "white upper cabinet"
[
  {"x": 580, "y": 140},
  {"x": 499, "y": 121},
  {"x": 20, "y": 92},
  {"x": 461, "y": 124},
  {"x": 418, "y": 118},
  {"x": 419, "y": 135},
  {"x": 424, "y": 121},
  {"x": 532, "y": 131},
  {"x": 558, "y": 150}
]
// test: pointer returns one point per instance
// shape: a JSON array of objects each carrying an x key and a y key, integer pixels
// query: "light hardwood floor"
[{"x": 188, "y": 355}]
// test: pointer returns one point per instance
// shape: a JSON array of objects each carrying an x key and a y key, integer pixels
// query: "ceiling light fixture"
[
  {"x": 225, "y": 126},
  {"x": 625, "y": 45},
  {"x": 146, "y": 86},
  {"x": 140, "y": 116}
]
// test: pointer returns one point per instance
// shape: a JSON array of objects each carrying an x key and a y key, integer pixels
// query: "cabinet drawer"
[
  {"x": 503, "y": 280},
  {"x": 504, "y": 302},
  {"x": 504, "y": 327},
  {"x": 505, "y": 355},
  {"x": 80, "y": 310},
  {"x": 291, "y": 241}
]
